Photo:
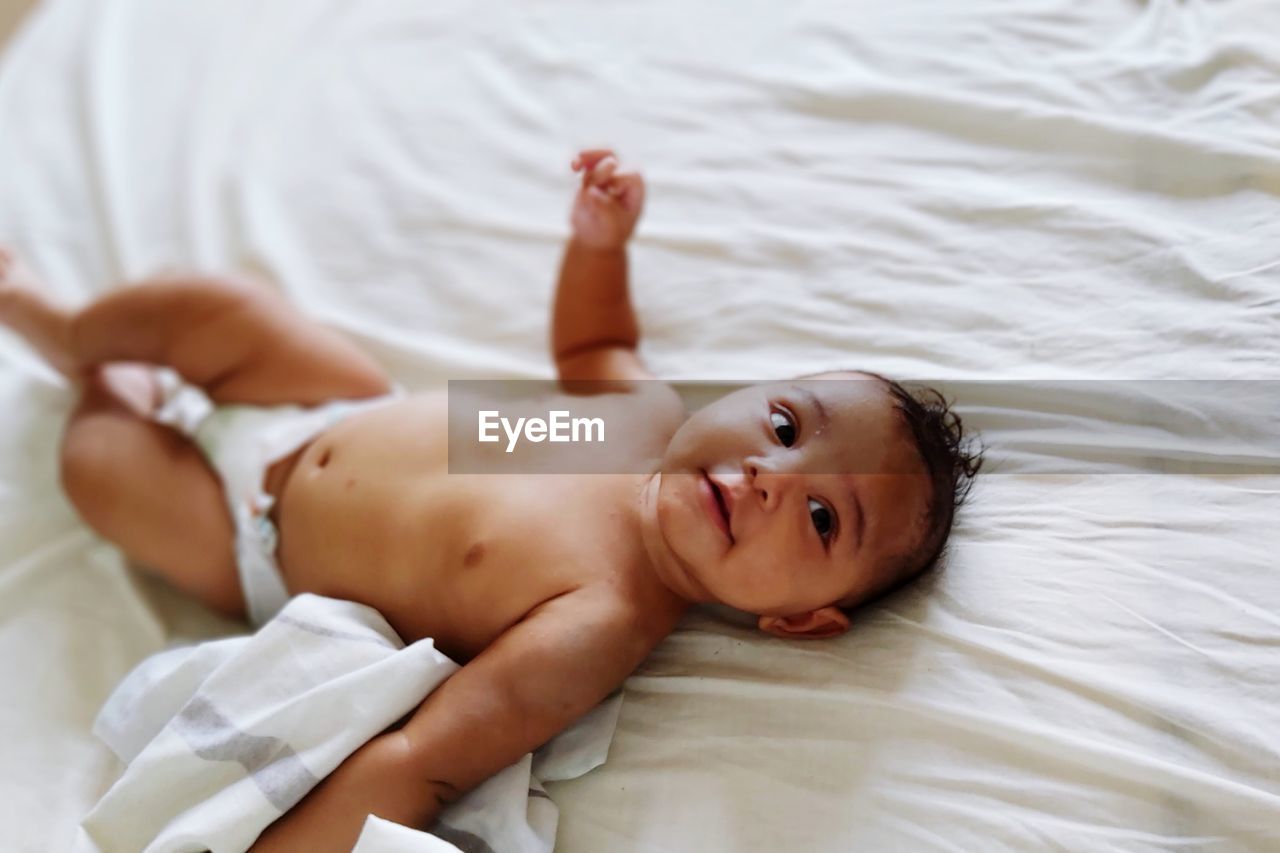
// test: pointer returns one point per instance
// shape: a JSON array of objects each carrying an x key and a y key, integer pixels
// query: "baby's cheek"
[
  {"x": 680, "y": 448},
  {"x": 751, "y": 580},
  {"x": 675, "y": 520}
]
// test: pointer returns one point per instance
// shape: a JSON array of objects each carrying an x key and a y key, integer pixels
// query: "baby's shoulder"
[
  {"x": 650, "y": 404},
  {"x": 610, "y": 609},
  {"x": 662, "y": 400}
]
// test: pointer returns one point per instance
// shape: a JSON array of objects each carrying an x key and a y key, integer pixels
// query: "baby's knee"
[
  {"x": 94, "y": 442},
  {"x": 80, "y": 471}
]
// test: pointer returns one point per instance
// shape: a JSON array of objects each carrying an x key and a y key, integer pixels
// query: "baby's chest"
[
  {"x": 520, "y": 543},
  {"x": 558, "y": 526}
]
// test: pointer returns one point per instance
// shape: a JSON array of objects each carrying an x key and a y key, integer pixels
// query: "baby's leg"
[
  {"x": 240, "y": 344},
  {"x": 147, "y": 489},
  {"x": 139, "y": 484},
  {"x": 45, "y": 326}
]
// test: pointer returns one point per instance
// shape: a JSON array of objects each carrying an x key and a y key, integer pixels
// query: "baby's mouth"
[{"x": 717, "y": 506}]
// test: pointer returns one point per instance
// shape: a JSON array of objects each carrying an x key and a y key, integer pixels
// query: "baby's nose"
[{"x": 765, "y": 481}]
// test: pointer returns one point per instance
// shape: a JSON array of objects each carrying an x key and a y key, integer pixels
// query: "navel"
[{"x": 473, "y": 556}]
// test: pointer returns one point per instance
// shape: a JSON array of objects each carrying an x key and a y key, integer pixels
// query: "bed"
[{"x": 975, "y": 194}]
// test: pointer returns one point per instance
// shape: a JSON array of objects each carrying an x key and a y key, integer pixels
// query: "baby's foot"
[
  {"x": 23, "y": 308},
  {"x": 135, "y": 385}
]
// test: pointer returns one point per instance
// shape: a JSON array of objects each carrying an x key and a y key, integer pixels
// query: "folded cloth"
[{"x": 221, "y": 738}]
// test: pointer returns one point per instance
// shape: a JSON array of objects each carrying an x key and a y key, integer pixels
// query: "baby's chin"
[{"x": 732, "y": 585}]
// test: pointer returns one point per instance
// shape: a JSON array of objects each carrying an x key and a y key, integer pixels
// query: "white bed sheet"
[{"x": 936, "y": 190}]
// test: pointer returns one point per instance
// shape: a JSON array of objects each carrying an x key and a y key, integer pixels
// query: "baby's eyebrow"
[
  {"x": 860, "y": 526},
  {"x": 811, "y": 399}
]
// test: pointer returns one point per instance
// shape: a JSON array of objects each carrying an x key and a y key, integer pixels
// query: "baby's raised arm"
[
  {"x": 594, "y": 333},
  {"x": 533, "y": 682}
]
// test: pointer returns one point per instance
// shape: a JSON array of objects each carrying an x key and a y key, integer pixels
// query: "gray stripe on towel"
[
  {"x": 330, "y": 632},
  {"x": 269, "y": 761},
  {"x": 467, "y": 842}
]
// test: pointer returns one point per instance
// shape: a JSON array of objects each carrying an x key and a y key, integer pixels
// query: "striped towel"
[{"x": 221, "y": 738}]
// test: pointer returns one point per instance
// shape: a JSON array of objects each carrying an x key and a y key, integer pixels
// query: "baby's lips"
[{"x": 729, "y": 486}]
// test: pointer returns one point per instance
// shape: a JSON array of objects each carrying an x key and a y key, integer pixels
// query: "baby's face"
[{"x": 785, "y": 498}]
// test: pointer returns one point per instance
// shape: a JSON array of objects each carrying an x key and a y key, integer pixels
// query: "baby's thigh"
[
  {"x": 280, "y": 356},
  {"x": 238, "y": 341},
  {"x": 148, "y": 490}
]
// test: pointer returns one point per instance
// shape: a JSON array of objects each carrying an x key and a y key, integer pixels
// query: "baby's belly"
[
  {"x": 370, "y": 514},
  {"x": 356, "y": 511}
]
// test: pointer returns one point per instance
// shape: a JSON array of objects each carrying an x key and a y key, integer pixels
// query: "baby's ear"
[{"x": 815, "y": 625}]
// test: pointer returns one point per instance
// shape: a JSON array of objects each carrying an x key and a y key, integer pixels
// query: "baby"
[{"x": 795, "y": 501}]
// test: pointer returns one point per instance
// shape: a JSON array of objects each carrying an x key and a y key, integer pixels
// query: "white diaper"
[{"x": 241, "y": 442}]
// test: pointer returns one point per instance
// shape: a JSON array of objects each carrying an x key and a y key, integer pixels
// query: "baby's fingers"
[
  {"x": 628, "y": 187},
  {"x": 589, "y": 158},
  {"x": 594, "y": 199},
  {"x": 602, "y": 174}
]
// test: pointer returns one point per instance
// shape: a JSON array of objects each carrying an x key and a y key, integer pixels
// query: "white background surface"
[{"x": 930, "y": 189}]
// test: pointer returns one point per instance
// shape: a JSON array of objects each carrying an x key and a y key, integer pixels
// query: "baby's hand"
[{"x": 608, "y": 203}]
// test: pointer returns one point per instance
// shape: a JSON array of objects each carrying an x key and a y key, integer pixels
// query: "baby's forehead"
[
  {"x": 844, "y": 383},
  {"x": 842, "y": 398}
]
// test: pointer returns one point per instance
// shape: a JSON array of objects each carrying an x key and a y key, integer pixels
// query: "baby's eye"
[
  {"x": 823, "y": 521},
  {"x": 783, "y": 427}
]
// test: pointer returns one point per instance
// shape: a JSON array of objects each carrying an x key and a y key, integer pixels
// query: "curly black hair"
[{"x": 952, "y": 460}]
